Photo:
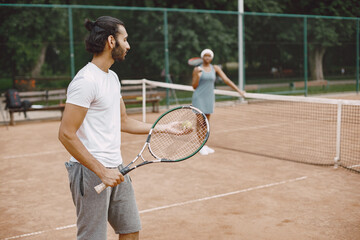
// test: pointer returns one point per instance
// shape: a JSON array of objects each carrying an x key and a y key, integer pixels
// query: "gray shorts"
[{"x": 114, "y": 205}]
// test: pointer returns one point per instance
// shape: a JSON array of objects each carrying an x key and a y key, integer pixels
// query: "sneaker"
[
  {"x": 203, "y": 151},
  {"x": 209, "y": 150}
]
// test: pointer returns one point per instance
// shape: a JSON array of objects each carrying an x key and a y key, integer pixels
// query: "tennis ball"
[{"x": 186, "y": 125}]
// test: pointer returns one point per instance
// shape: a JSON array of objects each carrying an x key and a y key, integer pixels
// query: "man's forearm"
[{"x": 130, "y": 125}]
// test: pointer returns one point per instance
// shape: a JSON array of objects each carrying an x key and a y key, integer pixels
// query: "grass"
[
  {"x": 5, "y": 83},
  {"x": 314, "y": 90}
]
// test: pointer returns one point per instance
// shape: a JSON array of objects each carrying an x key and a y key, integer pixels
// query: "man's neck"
[{"x": 103, "y": 62}]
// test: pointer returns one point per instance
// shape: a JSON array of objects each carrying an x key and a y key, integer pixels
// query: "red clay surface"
[{"x": 225, "y": 195}]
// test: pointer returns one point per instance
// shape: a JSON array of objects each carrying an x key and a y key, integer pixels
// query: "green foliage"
[
  {"x": 268, "y": 6},
  {"x": 23, "y": 34},
  {"x": 344, "y": 8},
  {"x": 269, "y": 41},
  {"x": 5, "y": 83}
]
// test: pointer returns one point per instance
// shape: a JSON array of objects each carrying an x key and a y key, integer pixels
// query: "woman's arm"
[{"x": 226, "y": 80}]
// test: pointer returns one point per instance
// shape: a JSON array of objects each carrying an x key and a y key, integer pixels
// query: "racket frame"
[
  {"x": 181, "y": 159},
  {"x": 195, "y": 61},
  {"x": 99, "y": 188}
]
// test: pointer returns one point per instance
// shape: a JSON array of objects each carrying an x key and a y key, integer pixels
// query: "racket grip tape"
[
  {"x": 101, "y": 187},
  {"x": 125, "y": 170}
]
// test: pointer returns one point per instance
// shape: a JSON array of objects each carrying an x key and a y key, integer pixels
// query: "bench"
[
  {"x": 132, "y": 95},
  {"x": 49, "y": 100}
]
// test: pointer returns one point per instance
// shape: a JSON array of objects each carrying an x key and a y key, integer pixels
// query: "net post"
[
  {"x": 338, "y": 135},
  {"x": 144, "y": 100}
]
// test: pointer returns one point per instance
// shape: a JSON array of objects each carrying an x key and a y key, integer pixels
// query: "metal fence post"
[
  {"x": 357, "y": 53},
  {"x": 71, "y": 42},
  {"x": 241, "y": 45},
  {"x": 167, "y": 77},
  {"x": 305, "y": 57}
]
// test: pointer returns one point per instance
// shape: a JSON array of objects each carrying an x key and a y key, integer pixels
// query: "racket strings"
[{"x": 193, "y": 132}]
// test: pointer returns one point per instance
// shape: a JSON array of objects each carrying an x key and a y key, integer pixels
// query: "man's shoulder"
[
  {"x": 113, "y": 74},
  {"x": 85, "y": 74},
  {"x": 88, "y": 70}
]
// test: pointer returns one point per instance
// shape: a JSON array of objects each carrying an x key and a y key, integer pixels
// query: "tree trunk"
[
  {"x": 316, "y": 57},
  {"x": 40, "y": 62}
]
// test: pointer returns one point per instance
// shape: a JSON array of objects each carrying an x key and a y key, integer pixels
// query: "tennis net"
[{"x": 310, "y": 130}]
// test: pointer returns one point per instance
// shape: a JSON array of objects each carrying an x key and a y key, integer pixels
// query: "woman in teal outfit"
[{"x": 203, "y": 81}]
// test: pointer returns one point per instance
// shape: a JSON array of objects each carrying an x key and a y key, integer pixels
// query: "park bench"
[
  {"x": 48, "y": 100},
  {"x": 54, "y": 100},
  {"x": 132, "y": 95}
]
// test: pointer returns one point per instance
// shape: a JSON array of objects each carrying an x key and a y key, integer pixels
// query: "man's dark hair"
[{"x": 99, "y": 31}]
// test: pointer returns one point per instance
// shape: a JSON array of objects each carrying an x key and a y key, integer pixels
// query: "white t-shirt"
[{"x": 100, "y": 131}]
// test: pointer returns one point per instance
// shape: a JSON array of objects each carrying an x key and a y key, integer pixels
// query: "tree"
[
  {"x": 325, "y": 33},
  {"x": 27, "y": 35},
  {"x": 322, "y": 33},
  {"x": 189, "y": 33},
  {"x": 35, "y": 40}
]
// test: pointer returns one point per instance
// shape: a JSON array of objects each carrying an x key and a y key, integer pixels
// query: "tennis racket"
[
  {"x": 175, "y": 136},
  {"x": 195, "y": 61}
]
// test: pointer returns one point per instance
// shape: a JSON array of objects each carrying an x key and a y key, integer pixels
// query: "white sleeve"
[
  {"x": 118, "y": 81},
  {"x": 81, "y": 92}
]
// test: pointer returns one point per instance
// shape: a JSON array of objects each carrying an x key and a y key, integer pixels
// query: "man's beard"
[{"x": 118, "y": 54}]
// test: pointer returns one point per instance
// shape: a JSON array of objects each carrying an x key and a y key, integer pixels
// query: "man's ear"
[{"x": 111, "y": 41}]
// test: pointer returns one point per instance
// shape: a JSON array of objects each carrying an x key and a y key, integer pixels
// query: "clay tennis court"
[{"x": 226, "y": 195}]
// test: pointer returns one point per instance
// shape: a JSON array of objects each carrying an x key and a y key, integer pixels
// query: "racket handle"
[{"x": 101, "y": 187}]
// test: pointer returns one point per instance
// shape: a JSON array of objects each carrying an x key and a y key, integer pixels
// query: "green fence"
[{"x": 282, "y": 53}]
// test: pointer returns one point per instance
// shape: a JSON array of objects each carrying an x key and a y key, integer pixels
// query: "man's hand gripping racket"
[{"x": 175, "y": 136}]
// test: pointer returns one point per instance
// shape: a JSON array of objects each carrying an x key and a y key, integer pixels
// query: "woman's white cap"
[{"x": 207, "y": 51}]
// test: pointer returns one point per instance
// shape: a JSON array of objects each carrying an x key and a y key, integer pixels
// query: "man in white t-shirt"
[{"x": 90, "y": 130}]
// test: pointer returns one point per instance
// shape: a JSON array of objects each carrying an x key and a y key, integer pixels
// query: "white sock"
[
  {"x": 209, "y": 150},
  {"x": 203, "y": 151}
]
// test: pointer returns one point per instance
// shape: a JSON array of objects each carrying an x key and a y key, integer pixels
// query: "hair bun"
[{"x": 89, "y": 24}]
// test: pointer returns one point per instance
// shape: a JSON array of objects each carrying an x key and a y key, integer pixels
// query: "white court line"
[
  {"x": 27, "y": 235},
  {"x": 354, "y": 166},
  {"x": 246, "y": 128},
  {"x": 33, "y": 154},
  {"x": 61, "y": 151},
  {"x": 224, "y": 194},
  {"x": 173, "y": 205},
  {"x": 40, "y": 232}
]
